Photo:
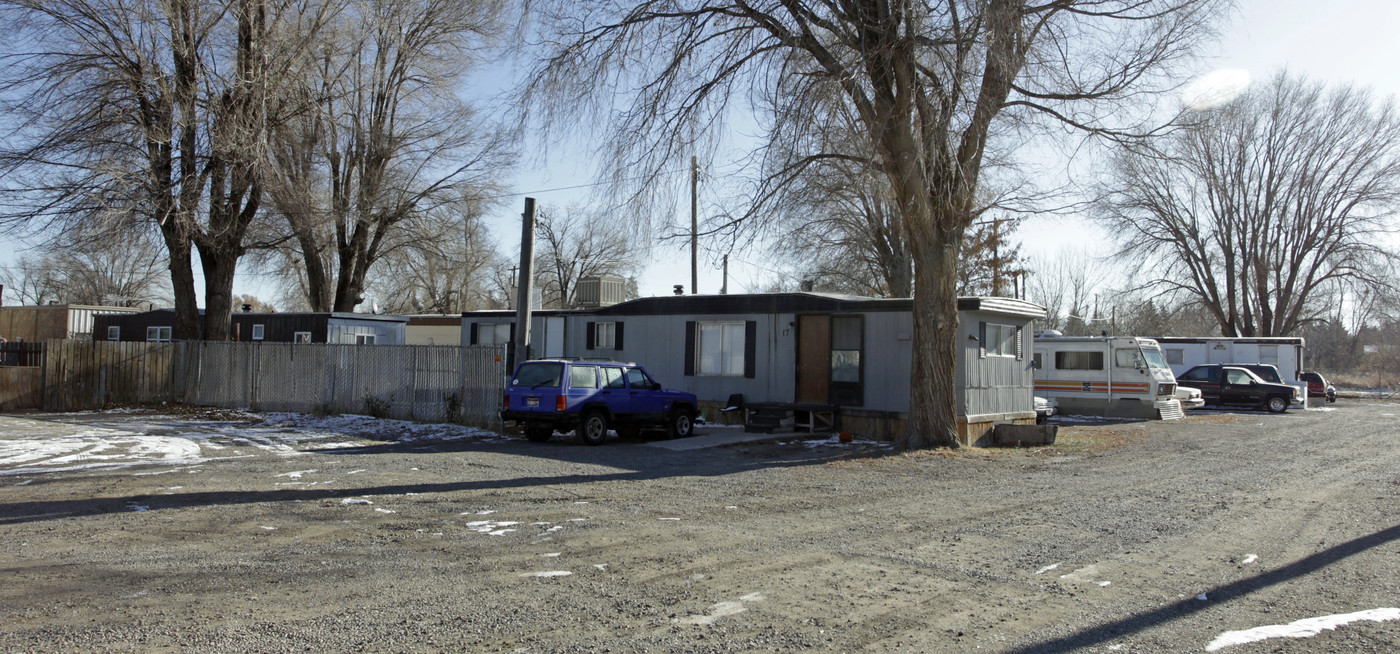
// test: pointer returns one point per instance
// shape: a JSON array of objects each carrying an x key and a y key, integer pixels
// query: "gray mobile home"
[
  {"x": 1285, "y": 352},
  {"x": 850, "y": 353}
]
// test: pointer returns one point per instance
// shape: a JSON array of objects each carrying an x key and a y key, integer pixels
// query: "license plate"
[{"x": 532, "y": 401}]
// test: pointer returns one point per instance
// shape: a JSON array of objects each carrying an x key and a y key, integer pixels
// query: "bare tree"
[
  {"x": 1068, "y": 284},
  {"x": 33, "y": 280},
  {"x": 157, "y": 109},
  {"x": 573, "y": 244},
  {"x": 927, "y": 82},
  {"x": 253, "y": 304},
  {"x": 124, "y": 268},
  {"x": 442, "y": 264},
  {"x": 840, "y": 230},
  {"x": 386, "y": 138},
  {"x": 1258, "y": 208}
]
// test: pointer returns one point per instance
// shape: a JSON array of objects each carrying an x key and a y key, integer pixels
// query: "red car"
[{"x": 1318, "y": 386}]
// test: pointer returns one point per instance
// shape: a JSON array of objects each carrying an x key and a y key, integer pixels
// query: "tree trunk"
[
  {"x": 933, "y": 415},
  {"x": 219, "y": 268},
  {"x": 188, "y": 326},
  {"x": 318, "y": 290}
]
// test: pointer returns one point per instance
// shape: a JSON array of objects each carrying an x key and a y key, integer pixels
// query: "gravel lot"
[{"x": 225, "y": 532}]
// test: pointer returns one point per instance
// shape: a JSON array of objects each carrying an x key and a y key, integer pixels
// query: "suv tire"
[
  {"x": 681, "y": 424},
  {"x": 538, "y": 434},
  {"x": 1276, "y": 403},
  {"x": 593, "y": 429}
]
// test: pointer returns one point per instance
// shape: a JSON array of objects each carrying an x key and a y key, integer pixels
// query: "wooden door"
[{"x": 814, "y": 359}]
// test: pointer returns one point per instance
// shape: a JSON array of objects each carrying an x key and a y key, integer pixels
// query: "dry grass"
[{"x": 1363, "y": 379}]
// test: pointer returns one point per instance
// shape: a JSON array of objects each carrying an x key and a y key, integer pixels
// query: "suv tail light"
[
  {"x": 559, "y": 403},
  {"x": 505, "y": 403}
]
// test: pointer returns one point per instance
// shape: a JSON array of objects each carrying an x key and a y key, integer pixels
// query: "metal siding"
[
  {"x": 888, "y": 360},
  {"x": 433, "y": 335},
  {"x": 996, "y": 384},
  {"x": 657, "y": 343}
]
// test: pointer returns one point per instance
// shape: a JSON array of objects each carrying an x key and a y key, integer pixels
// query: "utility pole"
[
  {"x": 724, "y": 288},
  {"x": 694, "y": 227},
  {"x": 996, "y": 257},
  {"x": 525, "y": 284}
]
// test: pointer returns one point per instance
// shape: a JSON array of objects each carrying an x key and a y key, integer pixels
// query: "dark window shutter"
[
  {"x": 750, "y": 348},
  {"x": 690, "y": 348},
  {"x": 617, "y": 335},
  {"x": 981, "y": 340},
  {"x": 591, "y": 335},
  {"x": 472, "y": 339},
  {"x": 1019, "y": 355}
]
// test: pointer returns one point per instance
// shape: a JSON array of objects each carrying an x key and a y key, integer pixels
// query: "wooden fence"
[{"x": 82, "y": 375}]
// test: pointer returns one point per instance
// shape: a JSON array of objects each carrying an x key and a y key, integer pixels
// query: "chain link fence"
[{"x": 423, "y": 383}]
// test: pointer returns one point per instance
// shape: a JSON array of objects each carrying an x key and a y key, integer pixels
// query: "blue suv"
[{"x": 592, "y": 397}]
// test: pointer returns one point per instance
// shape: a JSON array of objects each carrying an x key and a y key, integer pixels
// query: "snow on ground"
[
  {"x": 1305, "y": 628},
  {"x": 124, "y": 438}
]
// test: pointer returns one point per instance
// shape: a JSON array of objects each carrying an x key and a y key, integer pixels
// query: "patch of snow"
[
  {"x": 490, "y": 527},
  {"x": 1047, "y": 568},
  {"x": 294, "y": 475},
  {"x": 1250, "y": 559},
  {"x": 1202, "y": 597},
  {"x": 138, "y": 507},
  {"x": 547, "y": 573},
  {"x": 1086, "y": 574},
  {"x": 1305, "y": 628},
  {"x": 268, "y": 528},
  {"x": 721, "y": 610},
  {"x": 600, "y": 566},
  {"x": 551, "y": 555},
  {"x": 384, "y": 510},
  {"x": 355, "y": 500}
]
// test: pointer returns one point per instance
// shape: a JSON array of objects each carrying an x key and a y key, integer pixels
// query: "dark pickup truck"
[{"x": 1232, "y": 385}]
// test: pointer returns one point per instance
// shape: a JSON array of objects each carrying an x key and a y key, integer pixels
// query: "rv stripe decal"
[{"x": 1090, "y": 386}]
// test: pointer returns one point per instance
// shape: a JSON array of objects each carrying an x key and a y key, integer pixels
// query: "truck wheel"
[
  {"x": 594, "y": 428},
  {"x": 1277, "y": 403},
  {"x": 538, "y": 434},
  {"x": 680, "y": 425}
]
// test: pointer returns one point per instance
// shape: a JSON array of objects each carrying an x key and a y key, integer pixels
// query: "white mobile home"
[
  {"x": 1283, "y": 352},
  {"x": 1122, "y": 377},
  {"x": 852, "y": 354}
]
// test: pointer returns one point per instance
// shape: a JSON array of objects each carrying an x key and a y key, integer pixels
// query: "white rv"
[{"x": 1116, "y": 376}]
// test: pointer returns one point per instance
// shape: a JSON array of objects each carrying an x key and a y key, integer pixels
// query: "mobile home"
[
  {"x": 1115, "y": 376},
  {"x": 1285, "y": 353},
  {"x": 850, "y": 355}
]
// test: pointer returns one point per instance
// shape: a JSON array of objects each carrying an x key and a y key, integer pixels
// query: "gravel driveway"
[{"x": 228, "y": 532}]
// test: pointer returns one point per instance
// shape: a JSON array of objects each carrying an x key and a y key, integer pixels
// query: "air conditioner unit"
[{"x": 595, "y": 292}]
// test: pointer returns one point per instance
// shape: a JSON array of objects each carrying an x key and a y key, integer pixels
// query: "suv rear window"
[{"x": 539, "y": 374}]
